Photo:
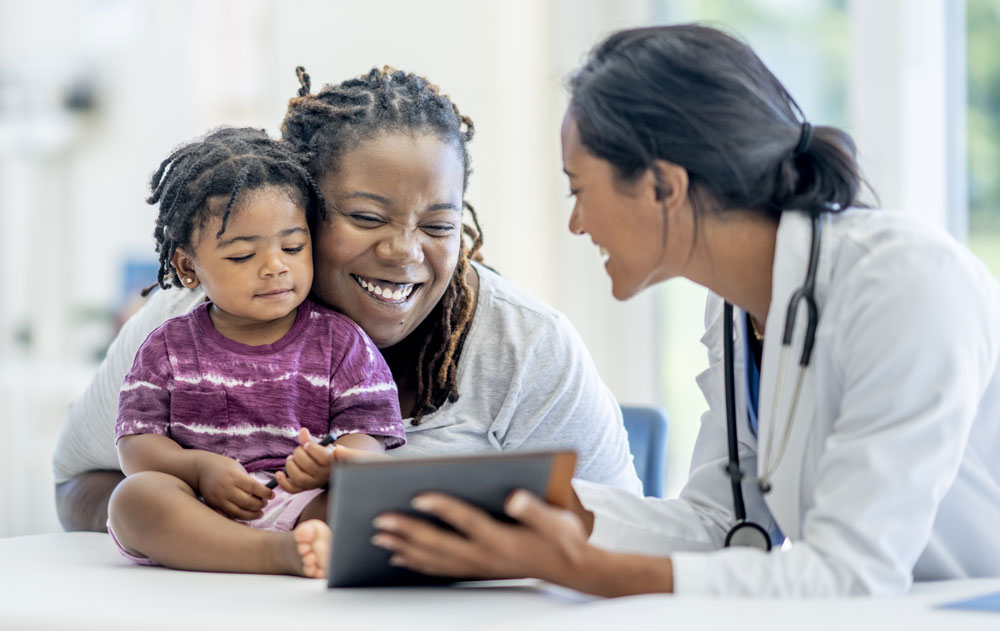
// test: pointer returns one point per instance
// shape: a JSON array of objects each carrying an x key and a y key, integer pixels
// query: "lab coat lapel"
[{"x": 791, "y": 260}]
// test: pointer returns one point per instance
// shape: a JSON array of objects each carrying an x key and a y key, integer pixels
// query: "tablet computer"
[{"x": 360, "y": 491}]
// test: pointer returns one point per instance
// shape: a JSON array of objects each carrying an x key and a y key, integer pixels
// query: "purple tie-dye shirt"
[{"x": 192, "y": 384}]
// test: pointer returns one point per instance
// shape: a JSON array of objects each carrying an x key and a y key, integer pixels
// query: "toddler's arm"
[
  {"x": 153, "y": 452},
  {"x": 220, "y": 480}
]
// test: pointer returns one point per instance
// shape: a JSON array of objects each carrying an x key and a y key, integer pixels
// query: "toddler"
[{"x": 219, "y": 401}]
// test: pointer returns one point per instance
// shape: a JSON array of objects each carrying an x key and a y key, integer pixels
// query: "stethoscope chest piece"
[{"x": 747, "y": 534}]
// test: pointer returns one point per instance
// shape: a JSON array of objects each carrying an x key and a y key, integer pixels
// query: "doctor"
[{"x": 876, "y": 454}]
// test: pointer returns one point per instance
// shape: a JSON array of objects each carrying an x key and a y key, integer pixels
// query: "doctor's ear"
[{"x": 671, "y": 183}]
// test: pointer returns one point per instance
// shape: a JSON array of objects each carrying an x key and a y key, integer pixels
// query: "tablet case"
[{"x": 360, "y": 491}]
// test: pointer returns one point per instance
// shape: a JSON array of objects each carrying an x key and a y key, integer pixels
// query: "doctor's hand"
[{"x": 548, "y": 542}]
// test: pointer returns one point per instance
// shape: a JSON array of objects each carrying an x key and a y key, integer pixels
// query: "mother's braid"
[
  {"x": 305, "y": 83},
  {"x": 325, "y": 126},
  {"x": 224, "y": 163}
]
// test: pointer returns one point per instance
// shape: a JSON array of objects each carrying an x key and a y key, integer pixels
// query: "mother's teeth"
[{"x": 386, "y": 292}]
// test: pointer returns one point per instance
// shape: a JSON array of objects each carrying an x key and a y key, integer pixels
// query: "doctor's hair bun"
[
  {"x": 700, "y": 98},
  {"x": 823, "y": 177}
]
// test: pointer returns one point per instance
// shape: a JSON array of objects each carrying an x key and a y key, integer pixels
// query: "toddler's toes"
[{"x": 313, "y": 541}]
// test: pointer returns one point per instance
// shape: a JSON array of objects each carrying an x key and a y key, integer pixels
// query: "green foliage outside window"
[{"x": 983, "y": 62}]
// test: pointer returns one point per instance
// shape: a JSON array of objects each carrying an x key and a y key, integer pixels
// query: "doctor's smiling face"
[
  {"x": 630, "y": 221},
  {"x": 388, "y": 250}
]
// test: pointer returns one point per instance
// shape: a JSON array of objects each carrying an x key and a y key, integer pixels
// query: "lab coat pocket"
[{"x": 200, "y": 420}]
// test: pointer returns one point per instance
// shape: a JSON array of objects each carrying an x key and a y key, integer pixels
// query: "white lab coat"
[{"x": 892, "y": 469}]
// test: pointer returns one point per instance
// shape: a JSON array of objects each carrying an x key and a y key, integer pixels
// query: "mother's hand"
[
  {"x": 548, "y": 542},
  {"x": 342, "y": 453}
]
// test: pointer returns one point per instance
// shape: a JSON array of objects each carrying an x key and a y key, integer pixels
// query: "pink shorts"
[{"x": 280, "y": 514}]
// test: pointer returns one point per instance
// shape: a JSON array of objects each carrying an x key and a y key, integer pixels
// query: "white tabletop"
[{"x": 79, "y": 581}]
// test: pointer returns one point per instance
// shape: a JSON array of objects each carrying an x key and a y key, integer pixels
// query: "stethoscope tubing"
[
  {"x": 735, "y": 474},
  {"x": 807, "y": 294}
]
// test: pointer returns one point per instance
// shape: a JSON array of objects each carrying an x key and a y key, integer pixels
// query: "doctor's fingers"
[
  {"x": 423, "y": 547},
  {"x": 460, "y": 515},
  {"x": 547, "y": 541},
  {"x": 494, "y": 546},
  {"x": 548, "y": 521}
]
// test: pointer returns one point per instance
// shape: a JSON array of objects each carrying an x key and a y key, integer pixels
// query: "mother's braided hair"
[
  {"x": 324, "y": 126},
  {"x": 225, "y": 162}
]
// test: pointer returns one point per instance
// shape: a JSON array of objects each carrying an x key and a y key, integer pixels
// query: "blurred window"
[{"x": 982, "y": 24}]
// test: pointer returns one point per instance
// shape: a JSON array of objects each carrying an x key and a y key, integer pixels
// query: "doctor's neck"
[{"x": 733, "y": 256}]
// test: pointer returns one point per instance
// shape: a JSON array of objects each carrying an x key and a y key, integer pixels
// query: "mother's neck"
[
  {"x": 734, "y": 257},
  {"x": 402, "y": 356}
]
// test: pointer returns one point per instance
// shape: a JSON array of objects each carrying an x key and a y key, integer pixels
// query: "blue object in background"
[
  {"x": 647, "y": 440},
  {"x": 137, "y": 274},
  {"x": 989, "y": 602}
]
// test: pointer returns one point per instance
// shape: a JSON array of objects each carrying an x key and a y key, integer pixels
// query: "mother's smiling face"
[{"x": 388, "y": 250}]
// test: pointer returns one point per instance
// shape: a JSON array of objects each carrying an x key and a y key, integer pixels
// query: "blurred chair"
[{"x": 647, "y": 440}]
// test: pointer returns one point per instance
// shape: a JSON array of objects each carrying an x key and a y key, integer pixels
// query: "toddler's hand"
[
  {"x": 227, "y": 487},
  {"x": 308, "y": 467}
]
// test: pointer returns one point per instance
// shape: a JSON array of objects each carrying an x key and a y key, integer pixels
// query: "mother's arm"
[
  {"x": 555, "y": 398},
  {"x": 82, "y": 501},
  {"x": 84, "y": 463}
]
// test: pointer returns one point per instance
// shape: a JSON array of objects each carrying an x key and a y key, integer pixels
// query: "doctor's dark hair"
[
  {"x": 225, "y": 163},
  {"x": 323, "y": 127},
  {"x": 699, "y": 98}
]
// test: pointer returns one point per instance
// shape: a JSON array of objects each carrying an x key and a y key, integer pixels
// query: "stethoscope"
[{"x": 748, "y": 533}]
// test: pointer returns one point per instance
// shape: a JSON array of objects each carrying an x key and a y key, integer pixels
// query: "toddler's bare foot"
[{"x": 313, "y": 540}]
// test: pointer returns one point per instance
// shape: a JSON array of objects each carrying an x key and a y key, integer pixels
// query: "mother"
[{"x": 479, "y": 364}]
